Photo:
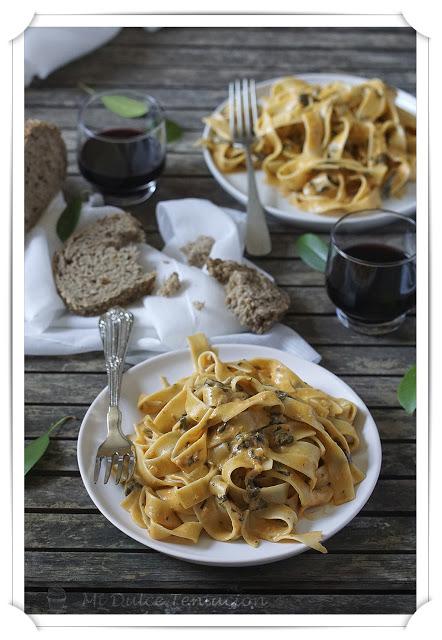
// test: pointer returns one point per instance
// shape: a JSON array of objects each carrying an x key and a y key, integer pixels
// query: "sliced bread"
[
  {"x": 98, "y": 266},
  {"x": 45, "y": 167}
]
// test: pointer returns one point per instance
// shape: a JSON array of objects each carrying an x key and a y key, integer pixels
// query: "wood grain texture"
[
  {"x": 89, "y": 70},
  {"x": 399, "y": 458},
  {"x": 174, "y": 603},
  {"x": 152, "y": 570},
  {"x": 93, "y": 531},
  {"x": 342, "y": 360},
  {"x": 393, "y": 424},
  {"x": 69, "y": 388},
  {"x": 371, "y": 564},
  {"x": 64, "y": 493},
  {"x": 330, "y": 39}
]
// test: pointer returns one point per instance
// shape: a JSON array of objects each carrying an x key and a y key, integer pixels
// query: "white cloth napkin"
[
  {"x": 48, "y": 48},
  {"x": 161, "y": 324}
]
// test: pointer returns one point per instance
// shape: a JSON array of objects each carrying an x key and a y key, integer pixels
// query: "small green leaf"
[
  {"x": 173, "y": 131},
  {"x": 35, "y": 449},
  {"x": 406, "y": 392},
  {"x": 131, "y": 108},
  {"x": 69, "y": 218},
  {"x": 313, "y": 251},
  {"x": 124, "y": 106}
]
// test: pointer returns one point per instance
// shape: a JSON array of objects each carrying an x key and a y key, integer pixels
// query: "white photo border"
[{"x": 195, "y": 620}]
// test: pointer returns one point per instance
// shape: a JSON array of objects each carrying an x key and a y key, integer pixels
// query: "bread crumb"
[
  {"x": 198, "y": 251},
  {"x": 199, "y": 306},
  {"x": 170, "y": 286},
  {"x": 221, "y": 270}
]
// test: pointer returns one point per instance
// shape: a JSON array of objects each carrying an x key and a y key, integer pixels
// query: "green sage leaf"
[
  {"x": 69, "y": 218},
  {"x": 313, "y": 251},
  {"x": 131, "y": 108},
  {"x": 124, "y": 106},
  {"x": 406, "y": 392},
  {"x": 173, "y": 131},
  {"x": 35, "y": 449}
]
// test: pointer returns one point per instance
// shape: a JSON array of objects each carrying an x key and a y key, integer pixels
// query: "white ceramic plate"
[
  {"x": 145, "y": 377},
  {"x": 236, "y": 183}
]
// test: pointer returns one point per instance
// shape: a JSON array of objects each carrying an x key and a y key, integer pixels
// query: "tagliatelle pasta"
[
  {"x": 239, "y": 450},
  {"x": 331, "y": 148}
]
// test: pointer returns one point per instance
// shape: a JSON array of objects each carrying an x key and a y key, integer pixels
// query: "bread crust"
[{"x": 44, "y": 176}]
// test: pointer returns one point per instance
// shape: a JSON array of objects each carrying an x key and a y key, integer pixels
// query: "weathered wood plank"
[
  {"x": 93, "y": 531},
  {"x": 399, "y": 459},
  {"x": 393, "y": 424},
  {"x": 274, "y": 37},
  {"x": 196, "y": 603},
  {"x": 325, "y": 330},
  {"x": 171, "y": 98},
  {"x": 66, "y": 118},
  {"x": 59, "y": 492},
  {"x": 147, "y": 570},
  {"x": 99, "y": 71},
  {"x": 191, "y": 59},
  {"x": 341, "y": 360},
  {"x": 68, "y": 388}
]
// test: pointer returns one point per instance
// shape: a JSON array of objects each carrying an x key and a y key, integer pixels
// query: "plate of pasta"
[
  {"x": 244, "y": 454},
  {"x": 327, "y": 144}
]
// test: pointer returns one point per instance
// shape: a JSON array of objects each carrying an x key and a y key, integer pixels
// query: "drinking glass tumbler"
[
  {"x": 122, "y": 156},
  {"x": 371, "y": 274}
]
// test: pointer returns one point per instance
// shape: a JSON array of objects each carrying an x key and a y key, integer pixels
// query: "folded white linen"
[
  {"x": 161, "y": 324},
  {"x": 48, "y": 48}
]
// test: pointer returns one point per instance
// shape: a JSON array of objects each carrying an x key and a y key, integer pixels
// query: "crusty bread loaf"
[
  {"x": 98, "y": 266},
  {"x": 45, "y": 167}
]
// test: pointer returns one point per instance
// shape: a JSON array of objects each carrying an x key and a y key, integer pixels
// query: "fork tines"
[
  {"x": 125, "y": 467},
  {"x": 243, "y": 109}
]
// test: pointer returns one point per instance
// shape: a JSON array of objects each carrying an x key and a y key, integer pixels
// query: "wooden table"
[{"x": 370, "y": 567}]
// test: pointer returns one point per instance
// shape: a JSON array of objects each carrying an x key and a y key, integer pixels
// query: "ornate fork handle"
[{"x": 115, "y": 327}]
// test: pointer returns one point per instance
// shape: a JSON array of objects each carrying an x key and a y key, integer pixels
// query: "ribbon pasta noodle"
[
  {"x": 240, "y": 450},
  {"x": 331, "y": 148}
]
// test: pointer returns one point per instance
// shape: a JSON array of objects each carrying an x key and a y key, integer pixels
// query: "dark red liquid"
[
  {"x": 372, "y": 294},
  {"x": 122, "y": 163}
]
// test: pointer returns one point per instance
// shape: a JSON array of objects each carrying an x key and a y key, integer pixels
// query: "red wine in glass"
[
  {"x": 372, "y": 294},
  {"x": 371, "y": 275},
  {"x": 122, "y": 162}
]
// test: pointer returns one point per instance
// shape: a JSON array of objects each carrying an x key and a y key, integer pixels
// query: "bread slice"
[
  {"x": 98, "y": 266},
  {"x": 45, "y": 167}
]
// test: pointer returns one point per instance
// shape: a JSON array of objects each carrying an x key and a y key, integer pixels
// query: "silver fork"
[
  {"x": 243, "y": 114},
  {"x": 115, "y": 327}
]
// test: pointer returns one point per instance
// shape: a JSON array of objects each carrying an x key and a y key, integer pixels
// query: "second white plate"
[
  {"x": 145, "y": 377},
  {"x": 275, "y": 203}
]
